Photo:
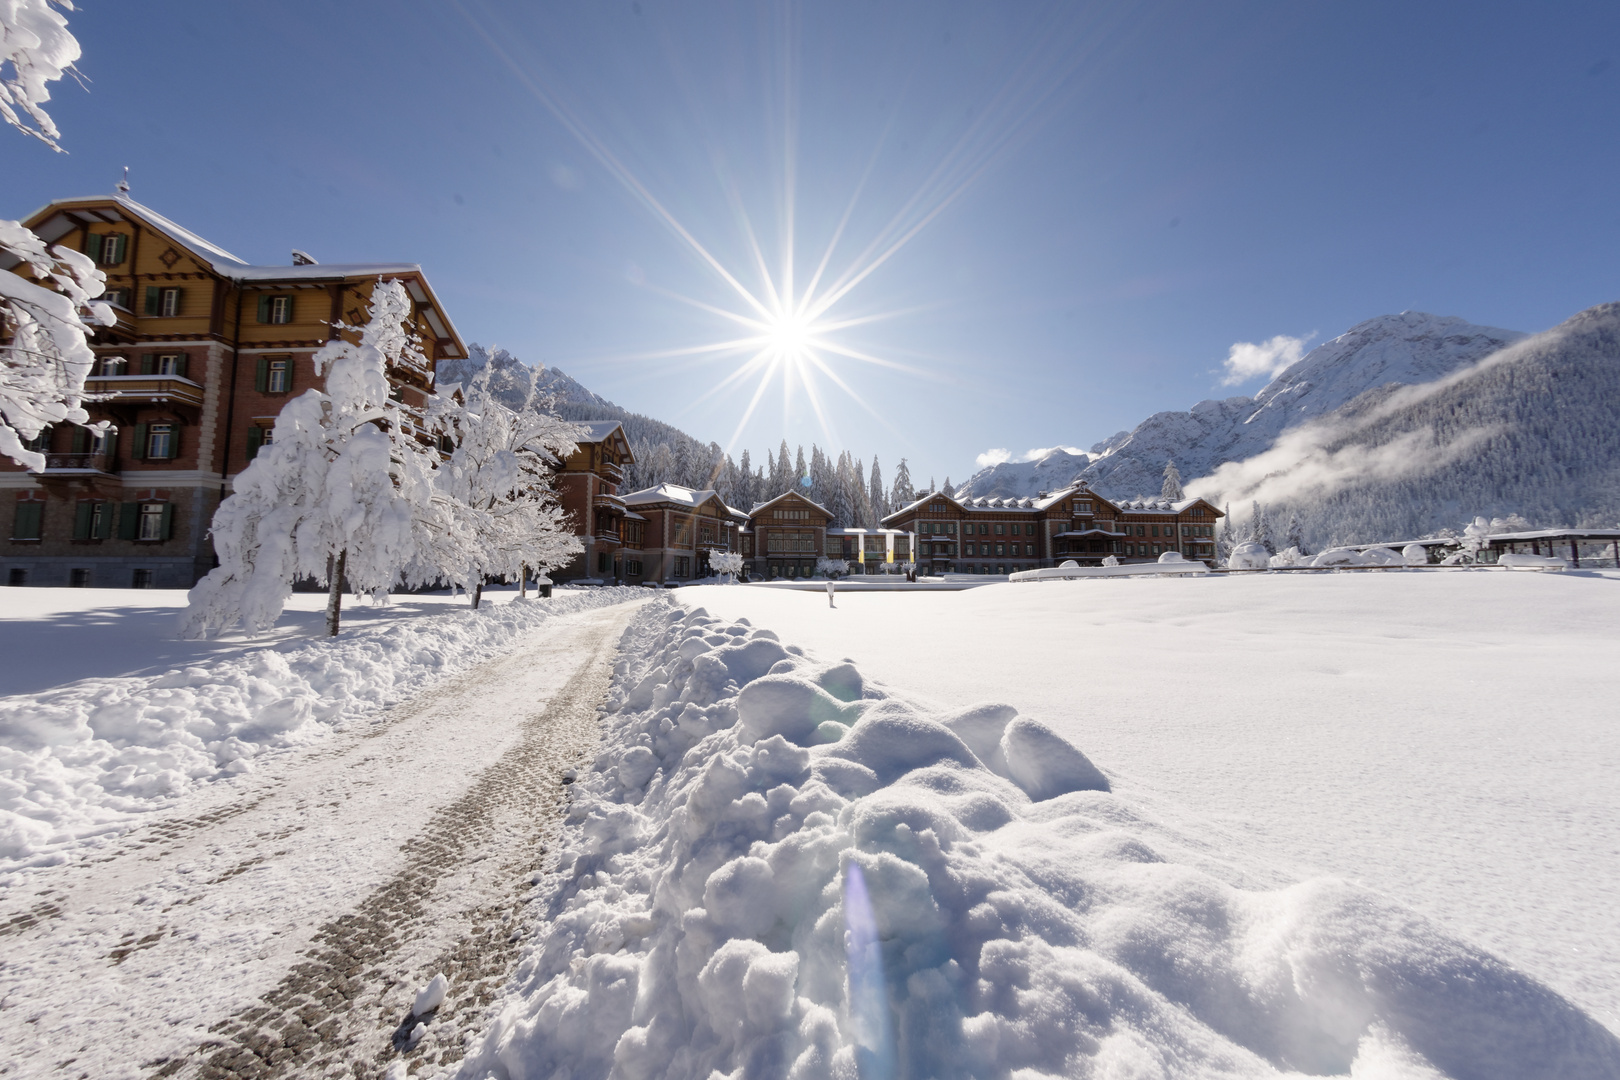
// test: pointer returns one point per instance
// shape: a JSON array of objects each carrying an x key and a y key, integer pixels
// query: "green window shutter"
[
  {"x": 174, "y": 442},
  {"x": 255, "y": 437},
  {"x": 81, "y": 520},
  {"x": 104, "y": 526},
  {"x": 138, "y": 450},
  {"x": 26, "y": 525},
  {"x": 154, "y": 299},
  {"x": 180, "y": 365},
  {"x": 149, "y": 363},
  {"x": 261, "y": 381},
  {"x": 289, "y": 318},
  {"x": 129, "y": 520},
  {"x": 179, "y": 301},
  {"x": 167, "y": 528},
  {"x": 81, "y": 440},
  {"x": 264, "y": 309},
  {"x": 92, "y": 246}
]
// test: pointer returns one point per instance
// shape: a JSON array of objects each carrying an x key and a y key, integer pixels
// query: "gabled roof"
[
  {"x": 786, "y": 494},
  {"x": 61, "y": 216},
  {"x": 926, "y": 497},
  {"x": 597, "y": 430},
  {"x": 674, "y": 493}
]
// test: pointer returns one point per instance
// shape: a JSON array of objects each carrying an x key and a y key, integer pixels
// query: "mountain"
[
  {"x": 1408, "y": 348},
  {"x": 1532, "y": 429}
]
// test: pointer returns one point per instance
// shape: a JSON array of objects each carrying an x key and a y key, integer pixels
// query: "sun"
[{"x": 789, "y": 334}]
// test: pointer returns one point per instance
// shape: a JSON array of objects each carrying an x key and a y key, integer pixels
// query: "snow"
[
  {"x": 431, "y": 996},
  {"x": 779, "y": 866},
  {"x": 80, "y": 762},
  {"x": 1442, "y": 737}
]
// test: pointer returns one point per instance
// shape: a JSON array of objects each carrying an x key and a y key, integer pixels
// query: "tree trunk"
[
  {"x": 523, "y": 581},
  {"x": 334, "y": 593},
  {"x": 478, "y": 593}
]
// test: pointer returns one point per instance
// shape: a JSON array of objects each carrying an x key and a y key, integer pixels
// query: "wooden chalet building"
[
  {"x": 681, "y": 527},
  {"x": 206, "y": 351},
  {"x": 588, "y": 490},
  {"x": 1004, "y": 536},
  {"x": 786, "y": 535}
]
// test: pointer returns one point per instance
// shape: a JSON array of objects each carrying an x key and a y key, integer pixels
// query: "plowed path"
[{"x": 280, "y": 925}]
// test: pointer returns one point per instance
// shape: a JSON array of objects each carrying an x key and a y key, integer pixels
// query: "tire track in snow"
[
  {"x": 281, "y": 924},
  {"x": 345, "y": 1010}
]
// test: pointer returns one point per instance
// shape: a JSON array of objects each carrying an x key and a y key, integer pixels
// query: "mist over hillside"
[
  {"x": 1411, "y": 347},
  {"x": 1532, "y": 429}
]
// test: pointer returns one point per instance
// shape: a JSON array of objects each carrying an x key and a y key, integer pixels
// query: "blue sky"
[{"x": 1109, "y": 197}]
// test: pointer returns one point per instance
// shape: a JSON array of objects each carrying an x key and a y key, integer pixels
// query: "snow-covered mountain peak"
[{"x": 1411, "y": 347}]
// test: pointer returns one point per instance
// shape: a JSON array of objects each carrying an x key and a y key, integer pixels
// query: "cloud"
[
  {"x": 1001, "y": 456},
  {"x": 992, "y": 457},
  {"x": 1246, "y": 360}
]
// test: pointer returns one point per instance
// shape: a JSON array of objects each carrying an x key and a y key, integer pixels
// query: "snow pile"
[
  {"x": 1249, "y": 556},
  {"x": 777, "y": 869},
  {"x": 77, "y": 760}
]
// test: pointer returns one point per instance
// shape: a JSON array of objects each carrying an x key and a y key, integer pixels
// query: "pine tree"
[
  {"x": 904, "y": 495},
  {"x": 801, "y": 469},
  {"x": 743, "y": 490},
  {"x": 1296, "y": 532},
  {"x": 1172, "y": 483},
  {"x": 1260, "y": 529},
  {"x": 874, "y": 494},
  {"x": 782, "y": 476},
  {"x": 1226, "y": 541}
]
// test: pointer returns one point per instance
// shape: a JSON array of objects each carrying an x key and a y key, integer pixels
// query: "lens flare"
[{"x": 868, "y": 993}]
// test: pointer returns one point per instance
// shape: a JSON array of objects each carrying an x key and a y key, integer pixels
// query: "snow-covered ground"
[
  {"x": 147, "y": 718},
  {"x": 1448, "y": 739},
  {"x": 779, "y": 868}
]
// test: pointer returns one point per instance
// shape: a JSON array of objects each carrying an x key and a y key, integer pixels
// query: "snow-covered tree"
[
  {"x": 1172, "y": 483},
  {"x": 904, "y": 495},
  {"x": 1260, "y": 529},
  {"x": 726, "y": 563},
  {"x": 1225, "y": 542},
  {"x": 340, "y": 493},
  {"x": 38, "y": 49},
  {"x": 876, "y": 495},
  {"x": 831, "y": 567},
  {"x": 1295, "y": 537},
  {"x": 498, "y": 485},
  {"x": 46, "y": 325}
]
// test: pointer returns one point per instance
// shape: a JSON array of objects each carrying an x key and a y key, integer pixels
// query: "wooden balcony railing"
[{"x": 153, "y": 388}]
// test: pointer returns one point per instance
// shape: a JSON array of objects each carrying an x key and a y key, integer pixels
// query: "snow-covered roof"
[
  {"x": 672, "y": 493},
  {"x": 1140, "y": 505},
  {"x": 631, "y": 515},
  {"x": 597, "y": 430},
  {"x": 760, "y": 506}
]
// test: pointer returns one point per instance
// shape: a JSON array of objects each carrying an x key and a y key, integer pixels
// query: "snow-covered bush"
[
  {"x": 1381, "y": 556},
  {"x": 831, "y": 568},
  {"x": 726, "y": 563},
  {"x": 1288, "y": 557},
  {"x": 1340, "y": 556},
  {"x": 1415, "y": 555},
  {"x": 340, "y": 493},
  {"x": 1249, "y": 556},
  {"x": 1171, "y": 557}
]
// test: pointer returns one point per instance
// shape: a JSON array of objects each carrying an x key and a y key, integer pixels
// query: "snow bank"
[
  {"x": 1532, "y": 562},
  {"x": 777, "y": 869},
  {"x": 78, "y": 760}
]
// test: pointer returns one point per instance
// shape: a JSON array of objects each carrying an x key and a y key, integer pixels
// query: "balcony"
[
  {"x": 79, "y": 463},
  {"x": 152, "y": 389}
]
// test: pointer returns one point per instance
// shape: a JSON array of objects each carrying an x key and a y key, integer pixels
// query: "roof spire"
[{"x": 123, "y": 185}]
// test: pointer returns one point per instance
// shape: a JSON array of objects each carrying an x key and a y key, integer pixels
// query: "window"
[
  {"x": 79, "y": 577},
  {"x": 1001, "y": 549},
  {"x": 604, "y": 562},
  {"x": 278, "y": 377},
  {"x": 171, "y": 364},
  {"x": 112, "y": 365},
  {"x": 154, "y": 522},
  {"x": 160, "y": 441},
  {"x": 1001, "y": 569},
  {"x": 1153, "y": 530},
  {"x": 107, "y": 249},
  {"x": 1141, "y": 530},
  {"x": 257, "y": 439},
  {"x": 17, "y": 577},
  {"x": 1001, "y": 530},
  {"x": 683, "y": 566},
  {"x": 141, "y": 579},
  {"x": 275, "y": 309},
  {"x": 92, "y": 519},
  {"x": 117, "y": 298},
  {"x": 632, "y": 567},
  {"x": 29, "y": 522},
  {"x": 163, "y": 302},
  {"x": 1082, "y": 507}
]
